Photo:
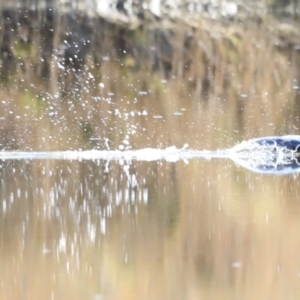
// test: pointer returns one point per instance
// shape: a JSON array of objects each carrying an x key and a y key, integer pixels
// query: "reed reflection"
[{"x": 160, "y": 229}]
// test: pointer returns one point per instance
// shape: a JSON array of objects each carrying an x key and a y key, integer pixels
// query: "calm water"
[
  {"x": 125, "y": 229},
  {"x": 144, "y": 230}
]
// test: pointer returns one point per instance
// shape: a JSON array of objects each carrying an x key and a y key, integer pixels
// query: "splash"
[
  {"x": 274, "y": 155},
  {"x": 171, "y": 154}
]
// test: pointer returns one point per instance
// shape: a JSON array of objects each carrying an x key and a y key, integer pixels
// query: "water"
[
  {"x": 146, "y": 229},
  {"x": 273, "y": 155},
  {"x": 123, "y": 171}
]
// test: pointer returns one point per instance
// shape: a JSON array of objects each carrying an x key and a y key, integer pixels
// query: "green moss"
[
  {"x": 87, "y": 133},
  {"x": 32, "y": 104},
  {"x": 139, "y": 35},
  {"x": 230, "y": 47},
  {"x": 24, "y": 50},
  {"x": 158, "y": 87}
]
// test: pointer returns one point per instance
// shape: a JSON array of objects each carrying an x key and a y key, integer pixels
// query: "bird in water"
[
  {"x": 274, "y": 154},
  {"x": 287, "y": 144}
]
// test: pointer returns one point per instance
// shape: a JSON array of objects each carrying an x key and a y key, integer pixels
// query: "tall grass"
[{"x": 223, "y": 83}]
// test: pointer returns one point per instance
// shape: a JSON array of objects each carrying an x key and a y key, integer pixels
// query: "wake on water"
[{"x": 275, "y": 155}]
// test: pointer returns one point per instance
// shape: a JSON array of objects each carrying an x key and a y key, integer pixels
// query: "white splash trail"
[
  {"x": 272, "y": 155},
  {"x": 146, "y": 154}
]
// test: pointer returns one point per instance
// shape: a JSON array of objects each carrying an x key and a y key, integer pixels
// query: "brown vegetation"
[{"x": 185, "y": 231}]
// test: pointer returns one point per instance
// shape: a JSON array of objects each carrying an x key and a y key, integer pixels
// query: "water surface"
[{"x": 158, "y": 229}]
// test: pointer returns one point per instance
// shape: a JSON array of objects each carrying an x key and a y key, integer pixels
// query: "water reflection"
[
  {"x": 85, "y": 230},
  {"x": 56, "y": 214},
  {"x": 278, "y": 166}
]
